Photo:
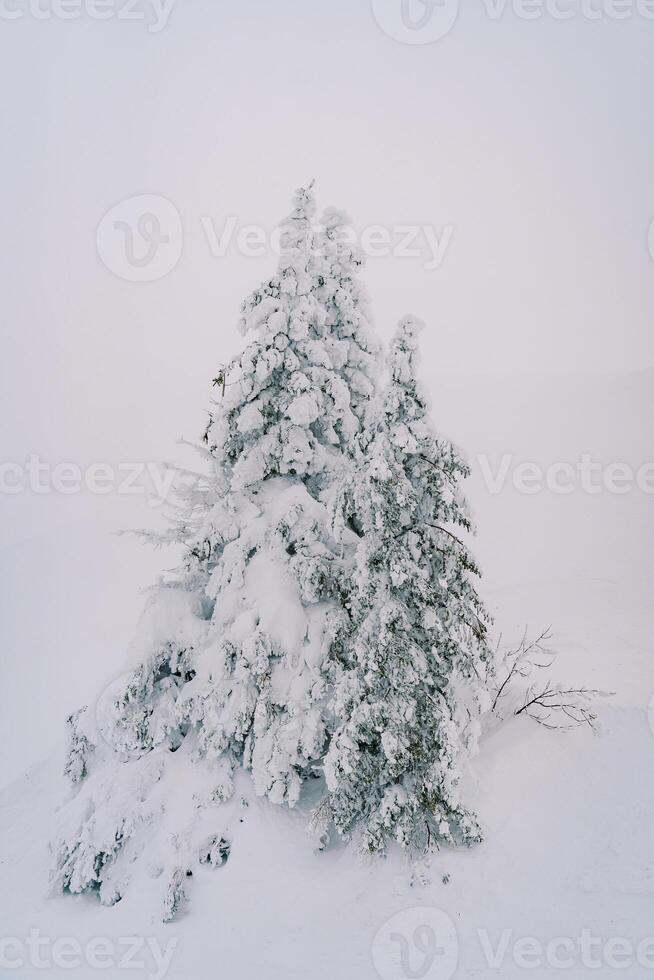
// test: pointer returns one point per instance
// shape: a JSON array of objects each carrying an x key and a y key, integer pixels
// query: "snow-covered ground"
[
  {"x": 568, "y": 855},
  {"x": 564, "y": 882}
]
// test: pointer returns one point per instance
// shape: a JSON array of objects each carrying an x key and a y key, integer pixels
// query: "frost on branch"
[
  {"x": 410, "y": 692},
  {"x": 79, "y": 747},
  {"x": 176, "y": 896},
  {"x": 550, "y": 704}
]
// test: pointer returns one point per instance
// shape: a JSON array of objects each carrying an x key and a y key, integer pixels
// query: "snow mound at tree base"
[{"x": 568, "y": 862}]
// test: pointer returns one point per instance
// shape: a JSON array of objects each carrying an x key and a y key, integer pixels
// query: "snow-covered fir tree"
[
  {"x": 322, "y": 620},
  {"x": 411, "y": 691},
  {"x": 294, "y": 406}
]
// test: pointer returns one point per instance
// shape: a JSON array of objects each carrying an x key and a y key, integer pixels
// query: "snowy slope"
[{"x": 569, "y": 848}]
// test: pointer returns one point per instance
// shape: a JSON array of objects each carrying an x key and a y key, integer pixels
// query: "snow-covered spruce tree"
[
  {"x": 238, "y": 658},
  {"x": 322, "y": 619},
  {"x": 411, "y": 691}
]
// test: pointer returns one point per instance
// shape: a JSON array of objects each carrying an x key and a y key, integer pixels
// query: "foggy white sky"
[{"x": 531, "y": 141}]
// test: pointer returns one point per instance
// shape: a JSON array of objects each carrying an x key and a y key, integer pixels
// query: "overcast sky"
[
  {"x": 511, "y": 158},
  {"x": 523, "y": 147}
]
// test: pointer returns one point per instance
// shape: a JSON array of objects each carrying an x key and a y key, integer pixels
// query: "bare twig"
[
  {"x": 573, "y": 702},
  {"x": 523, "y": 659},
  {"x": 550, "y": 705}
]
